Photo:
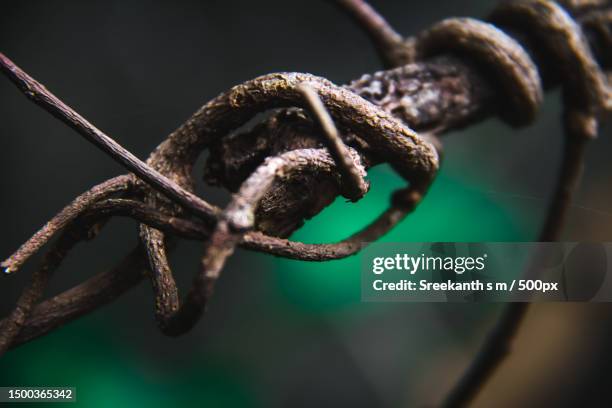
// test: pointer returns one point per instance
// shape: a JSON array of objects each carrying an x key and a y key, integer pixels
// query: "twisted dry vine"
[{"x": 317, "y": 143}]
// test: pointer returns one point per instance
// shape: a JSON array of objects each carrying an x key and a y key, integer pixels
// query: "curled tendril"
[{"x": 169, "y": 165}]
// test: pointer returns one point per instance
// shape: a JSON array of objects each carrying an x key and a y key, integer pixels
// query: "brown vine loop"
[
  {"x": 167, "y": 185},
  {"x": 497, "y": 53},
  {"x": 598, "y": 24},
  {"x": 553, "y": 33},
  {"x": 585, "y": 90},
  {"x": 415, "y": 159},
  {"x": 235, "y": 221}
]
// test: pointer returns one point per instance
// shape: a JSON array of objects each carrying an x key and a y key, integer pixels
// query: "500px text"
[{"x": 526, "y": 285}]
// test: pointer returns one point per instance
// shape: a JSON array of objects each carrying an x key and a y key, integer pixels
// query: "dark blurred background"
[{"x": 278, "y": 332}]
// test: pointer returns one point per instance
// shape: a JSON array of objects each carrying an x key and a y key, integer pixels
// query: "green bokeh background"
[{"x": 106, "y": 373}]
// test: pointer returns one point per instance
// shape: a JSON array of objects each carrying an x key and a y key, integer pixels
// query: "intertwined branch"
[{"x": 318, "y": 142}]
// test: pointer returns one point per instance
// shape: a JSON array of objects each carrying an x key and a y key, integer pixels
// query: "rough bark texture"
[{"x": 430, "y": 97}]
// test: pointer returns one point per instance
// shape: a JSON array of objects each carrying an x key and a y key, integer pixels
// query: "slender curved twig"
[
  {"x": 83, "y": 298},
  {"x": 353, "y": 182},
  {"x": 585, "y": 95},
  {"x": 32, "y": 294},
  {"x": 42, "y": 97},
  {"x": 390, "y": 45},
  {"x": 79, "y": 205}
]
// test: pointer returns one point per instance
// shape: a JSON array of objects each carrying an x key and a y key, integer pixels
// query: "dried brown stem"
[
  {"x": 82, "y": 299},
  {"x": 391, "y": 47},
  {"x": 415, "y": 159},
  {"x": 255, "y": 240},
  {"x": 234, "y": 222},
  {"x": 585, "y": 96},
  {"x": 45, "y": 99},
  {"x": 496, "y": 347},
  {"x": 326, "y": 252},
  {"x": 80, "y": 204},
  {"x": 92, "y": 294},
  {"x": 353, "y": 183},
  {"x": 76, "y": 232}
]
